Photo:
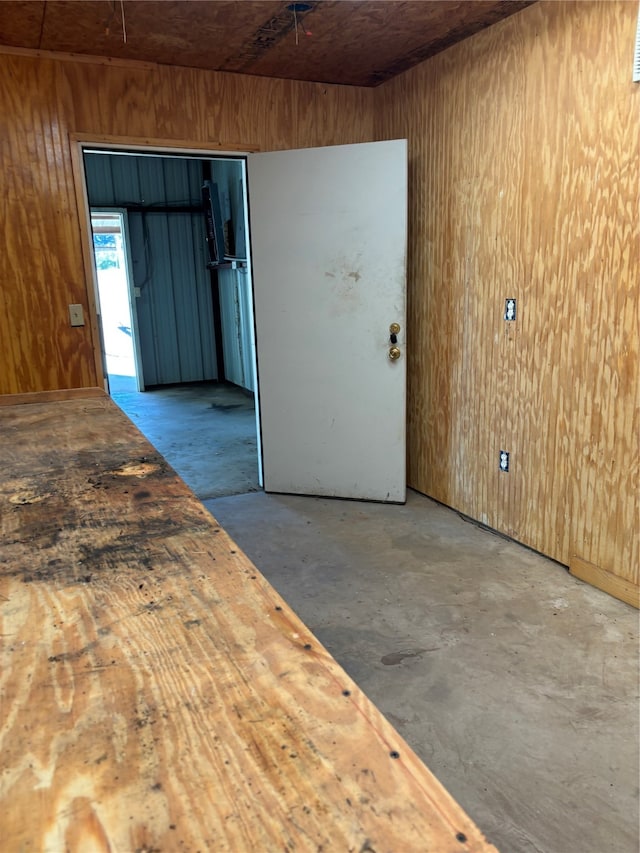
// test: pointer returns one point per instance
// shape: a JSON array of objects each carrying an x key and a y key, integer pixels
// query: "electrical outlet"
[
  {"x": 510, "y": 310},
  {"x": 76, "y": 315},
  {"x": 504, "y": 460}
]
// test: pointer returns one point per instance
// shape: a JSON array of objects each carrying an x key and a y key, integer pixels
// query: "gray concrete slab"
[
  {"x": 206, "y": 431},
  {"x": 516, "y": 683}
]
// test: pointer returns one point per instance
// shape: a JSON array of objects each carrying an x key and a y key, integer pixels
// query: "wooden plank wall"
[
  {"x": 524, "y": 157},
  {"x": 42, "y": 101}
]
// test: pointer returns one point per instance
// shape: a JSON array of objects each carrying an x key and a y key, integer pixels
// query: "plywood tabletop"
[{"x": 156, "y": 693}]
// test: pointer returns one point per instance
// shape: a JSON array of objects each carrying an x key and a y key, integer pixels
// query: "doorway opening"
[
  {"x": 119, "y": 333},
  {"x": 175, "y": 308}
]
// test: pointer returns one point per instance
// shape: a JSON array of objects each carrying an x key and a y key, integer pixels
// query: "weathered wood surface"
[{"x": 156, "y": 692}]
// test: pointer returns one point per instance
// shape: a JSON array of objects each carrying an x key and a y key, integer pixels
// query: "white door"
[{"x": 328, "y": 238}]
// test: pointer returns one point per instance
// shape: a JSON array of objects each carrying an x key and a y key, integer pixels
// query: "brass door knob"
[
  {"x": 394, "y": 353},
  {"x": 394, "y": 328}
]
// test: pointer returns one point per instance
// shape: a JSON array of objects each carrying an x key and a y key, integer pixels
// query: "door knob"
[
  {"x": 394, "y": 353},
  {"x": 394, "y": 328}
]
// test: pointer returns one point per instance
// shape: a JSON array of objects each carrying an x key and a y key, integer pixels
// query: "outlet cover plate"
[
  {"x": 504, "y": 460},
  {"x": 509, "y": 310},
  {"x": 76, "y": 315}
]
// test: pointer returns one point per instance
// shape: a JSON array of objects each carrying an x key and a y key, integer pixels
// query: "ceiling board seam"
[
  {"x": 44, "y": 12},
  {"x": 266, "y": 36}
]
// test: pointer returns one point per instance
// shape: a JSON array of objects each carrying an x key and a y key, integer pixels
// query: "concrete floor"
[
  {"x": 515, "y": 683},
  {"x": 205, "y": 430}
]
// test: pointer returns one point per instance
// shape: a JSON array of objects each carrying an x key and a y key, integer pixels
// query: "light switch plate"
[{"x": 76, "y": 315}]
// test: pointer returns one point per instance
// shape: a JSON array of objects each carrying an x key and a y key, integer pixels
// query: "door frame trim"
[{"x": 77, "y": 143}]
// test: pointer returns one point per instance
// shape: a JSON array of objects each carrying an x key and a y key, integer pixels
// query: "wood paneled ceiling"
[{"x": 356, "y": 42}]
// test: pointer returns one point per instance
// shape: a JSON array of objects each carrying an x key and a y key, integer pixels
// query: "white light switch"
[{"x": 76, "y": 315}]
